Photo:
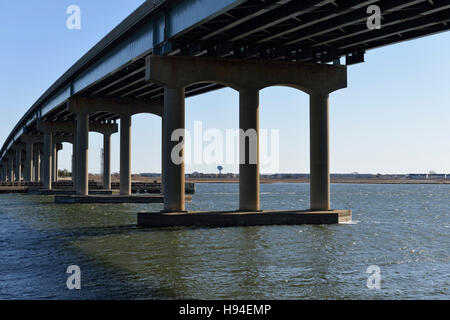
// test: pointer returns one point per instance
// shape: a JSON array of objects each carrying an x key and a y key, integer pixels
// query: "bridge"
[{"x": 167, "y": 50}]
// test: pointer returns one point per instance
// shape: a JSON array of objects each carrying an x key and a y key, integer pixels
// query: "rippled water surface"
[{"x": 403, "y": 229}]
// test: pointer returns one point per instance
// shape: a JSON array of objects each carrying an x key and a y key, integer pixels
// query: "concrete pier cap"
[{"x": 180, "y": 72}]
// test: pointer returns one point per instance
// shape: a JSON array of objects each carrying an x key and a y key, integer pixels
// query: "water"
[{"x": 403, "y": 229}]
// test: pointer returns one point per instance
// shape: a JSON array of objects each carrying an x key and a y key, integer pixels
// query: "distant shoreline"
[
  {"x": 333, "y": 181},
  {"x": 137, "y": 178}
]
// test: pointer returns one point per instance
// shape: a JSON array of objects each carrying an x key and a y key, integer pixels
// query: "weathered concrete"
[
  {"x": 32, "y": 143},
  {"x": 319, "y": 152},
  {"x": 173, "y": 174},
  {"x": 235, "y": 218},
  {"x": 18, "y": 163},
  {"x": 82, "y": 187},
  {"x": 248, "y": 77},
  {"x": 118, "y": 106},
  {"x": 74, "y": 162},
  {"x": 48, "y": 154},
  {"x": 15, "y": 189},
  {"x": 249, "y": 150},
  {"x": 125, "y": 155},
  {"x": 4, "y": 174},
  {"x": 125, "y": 108},
  {"x": 37, "y": 164},
  {"x": 239, "y": 73},
  {"x": 10, "y": 168},
  {"x": 71, "y": 127},
  {"x": 56, "y": 148},
  {"x": 67, "y": 192},
  {"x": 107, "y": 161},
  {"x": 112, "y": 199}
]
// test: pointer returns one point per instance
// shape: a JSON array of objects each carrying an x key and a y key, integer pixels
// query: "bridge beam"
[{"x": 248, "y": 77}]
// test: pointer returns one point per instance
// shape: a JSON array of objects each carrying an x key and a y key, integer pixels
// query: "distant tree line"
[{"x": 64, "y": 173}]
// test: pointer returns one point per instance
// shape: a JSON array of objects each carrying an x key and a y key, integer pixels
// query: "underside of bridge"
[
  {"x": 280, "y": 30},
  {"x": 116, "y": 79}
]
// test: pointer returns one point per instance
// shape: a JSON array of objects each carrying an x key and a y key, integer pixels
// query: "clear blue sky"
[{"x": 394, "y": 117}]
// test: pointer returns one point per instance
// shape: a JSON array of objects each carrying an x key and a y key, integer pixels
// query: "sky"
[{"x": 394, "y": 117}]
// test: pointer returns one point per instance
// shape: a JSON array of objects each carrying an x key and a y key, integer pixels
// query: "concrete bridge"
[{"x": 167, "y": 50}]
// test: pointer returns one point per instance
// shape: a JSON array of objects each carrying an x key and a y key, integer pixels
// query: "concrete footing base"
[
  {"x": 236, "y": 218},
  {"x": 71, "y": 199},
  {"x": 14, "y": 189},
  {"x": 66, "y": 192}
]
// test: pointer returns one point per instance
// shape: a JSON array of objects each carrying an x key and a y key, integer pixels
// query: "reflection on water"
[{"x": 404, "y": 229}]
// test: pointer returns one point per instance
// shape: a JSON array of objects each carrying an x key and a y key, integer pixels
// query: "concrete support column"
[
  {"x": 107, "y": 161},
  {"x": 55, "y": 163},
  {"x": 82, "y": 175},
  {"x": 58, "y": 147},
  {"x": 249, "y": 150},
  {"x": 37, "y": 165},
  {"x": 41, "y": 167},
  {"x": 162, "y": 155},
  {"x": 319, "y": 152},
  {"x": 74, "y": 161},
  {"x": 11, "y": 169},
  {"x": 18, "y": 164},
  {"x": 28, "y": 175},
  {"x": 125, "y": 155},
  {"x": 173, "y": 168},
  {"x": 48, "y": 156}
]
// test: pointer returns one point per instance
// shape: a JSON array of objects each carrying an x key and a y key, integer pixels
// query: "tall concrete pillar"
[
  {"x": 74, "y": 161},
  {"x": 125, "y": 155},
  {"x": 107, "y": 161},
  {"x": 6, "y": 170},
  {"x": 82, "y": 174},
  {"x": 18, "y": 164},
  {"x": 319, "y": 152},
  {"x": 11, "y": 169},
  {"x": 55, "y": 163},
  {"x": 37, "y": 165},
  {"x": 28, "y": 175},
  {"x": 58, "y": 147},
  {"x": 249, "y": 150},
  {"x": 41, "y": 167},
  {"x": 162, "y": 155},
  {"x": 173, "y": 168},
  {"x": 48, "y": 156}
]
